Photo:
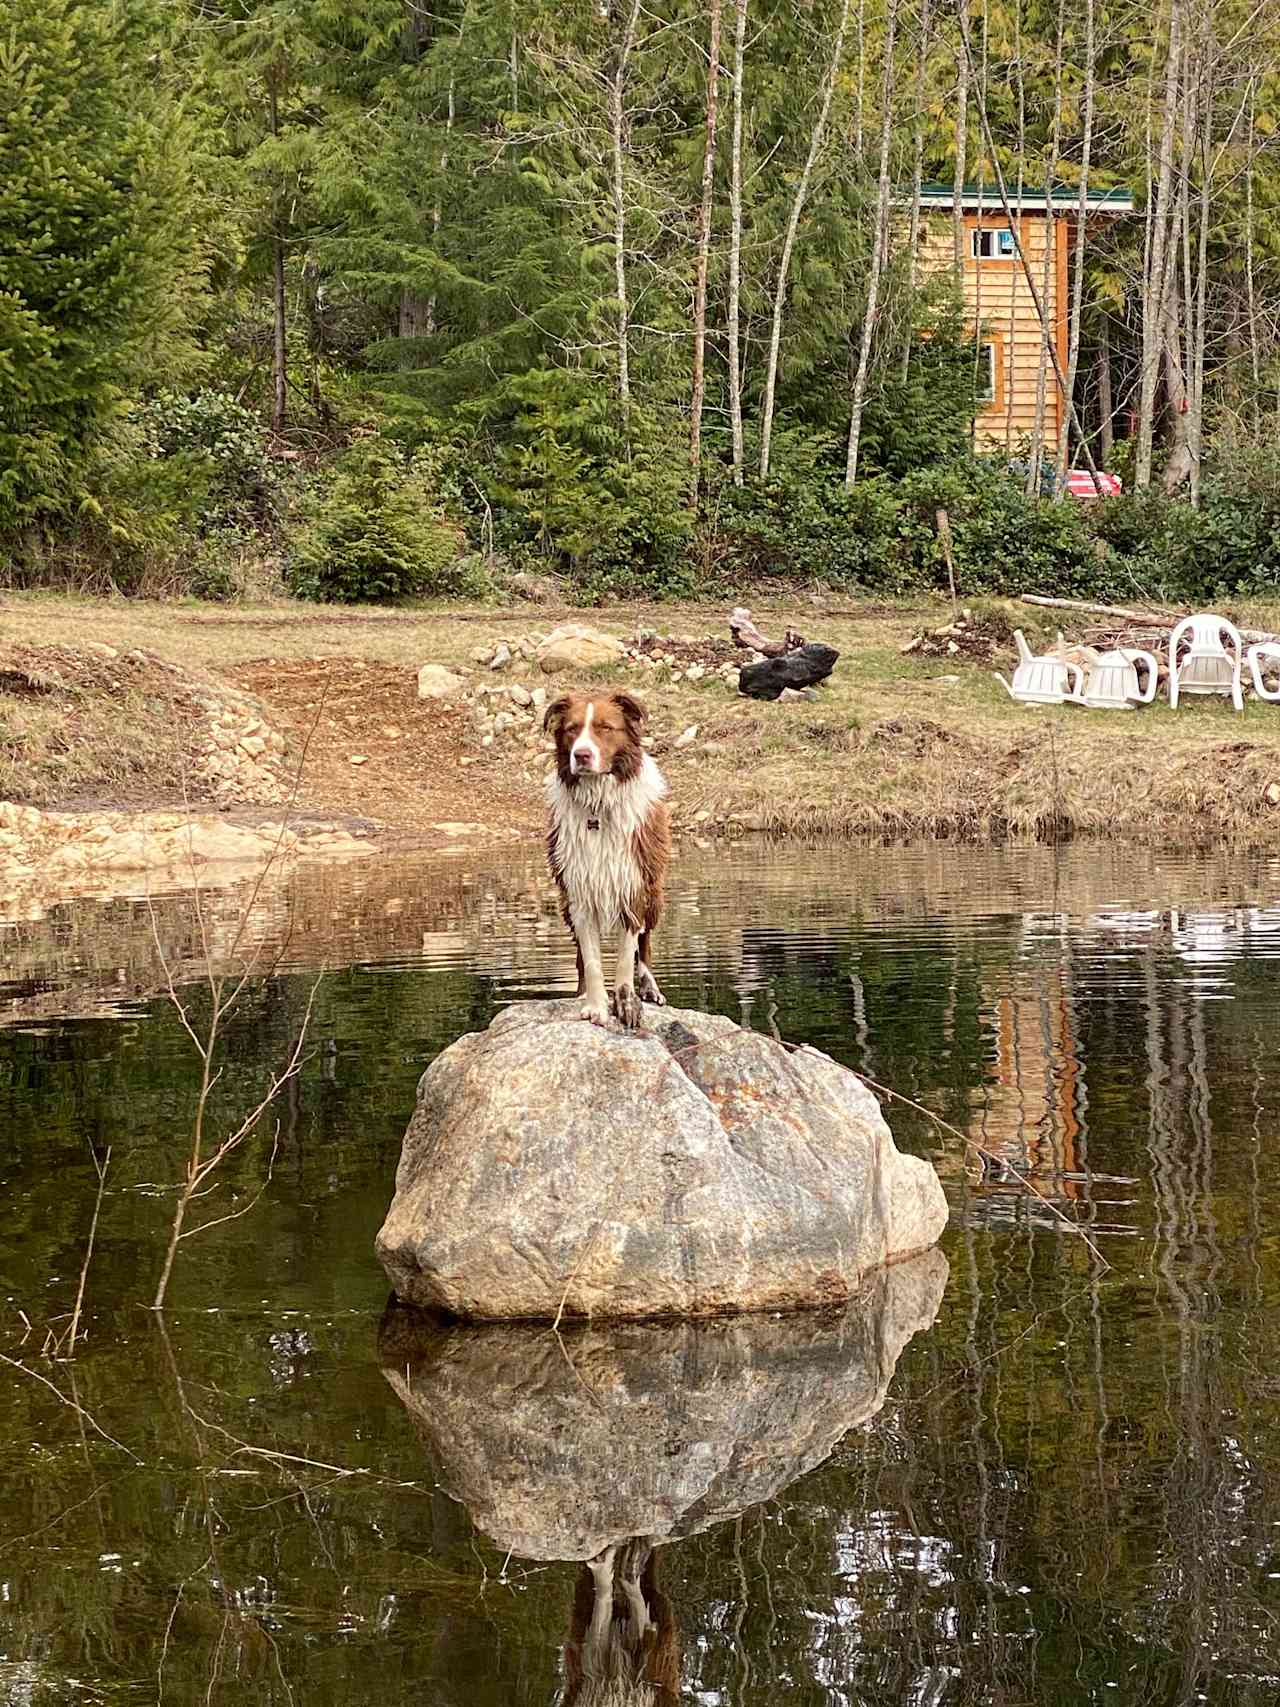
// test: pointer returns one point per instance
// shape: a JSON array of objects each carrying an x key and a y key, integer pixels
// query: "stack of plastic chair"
[
  {"x": 1207, "y": 667},
  {"x": 1040, "y": 681}
]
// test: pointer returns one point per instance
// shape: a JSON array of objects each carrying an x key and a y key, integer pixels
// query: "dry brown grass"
[
  {"x": 74, "y": 726},
  {"x": 891, "y": 747}
]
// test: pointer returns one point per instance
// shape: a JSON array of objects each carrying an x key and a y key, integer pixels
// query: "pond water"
[{"x": 1014, "y": 1477}]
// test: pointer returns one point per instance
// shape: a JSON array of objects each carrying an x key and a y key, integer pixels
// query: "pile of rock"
[
  {"x": 244, "y": 759},
  {"x": 512, "y": 709},
  {"x": 964, "y": 637},
  {"x": 572, "y": 646},
  {"x": 238, "y": 758},
  {"x": 575, "y": 646}
]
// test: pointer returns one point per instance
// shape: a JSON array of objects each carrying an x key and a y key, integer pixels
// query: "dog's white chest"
[{"x": 596, "y": 824}]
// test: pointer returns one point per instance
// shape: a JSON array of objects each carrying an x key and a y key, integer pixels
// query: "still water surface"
[{"x": 1012, "y": 1478}]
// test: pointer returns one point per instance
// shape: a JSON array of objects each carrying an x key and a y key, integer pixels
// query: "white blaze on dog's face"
[{"x": 584, "y": 754}]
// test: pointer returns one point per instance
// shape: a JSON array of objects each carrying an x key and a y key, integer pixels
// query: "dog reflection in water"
[{"x": 623, "y": 1648}]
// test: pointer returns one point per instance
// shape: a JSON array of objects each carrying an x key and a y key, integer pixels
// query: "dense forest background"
[{"x": 386, "y": 299}]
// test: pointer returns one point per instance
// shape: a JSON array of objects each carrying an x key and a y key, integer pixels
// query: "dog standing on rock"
[{"x": 609, "y": 845}]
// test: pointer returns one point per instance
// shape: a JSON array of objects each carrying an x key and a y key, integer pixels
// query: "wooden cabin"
[{"x": 999, "y": 300}]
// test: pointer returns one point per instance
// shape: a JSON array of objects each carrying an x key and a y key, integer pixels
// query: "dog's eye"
[{"x": 573, "y": 730}]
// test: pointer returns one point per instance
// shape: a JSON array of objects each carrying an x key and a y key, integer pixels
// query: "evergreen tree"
[{"x": 95, "y": 261}]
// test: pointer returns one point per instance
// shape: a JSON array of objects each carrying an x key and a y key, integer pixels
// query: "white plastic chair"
[
  {"x": 1256, "y": 656},
  {"x": 1208, "y": 667},
  {"x": 1112, "y": 683},
  {"x": 1040, "y": 681}
]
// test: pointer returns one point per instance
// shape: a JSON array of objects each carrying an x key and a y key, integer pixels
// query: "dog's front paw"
[
  {"x": 649, "y": 991},
  {"x": 596, "y": 1012},
  {"x": 626, "y": 1007}
]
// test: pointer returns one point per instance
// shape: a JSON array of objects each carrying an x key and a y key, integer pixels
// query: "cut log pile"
[{"x": 965, "y": 637}]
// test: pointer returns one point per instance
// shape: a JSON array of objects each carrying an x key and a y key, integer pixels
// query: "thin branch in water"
[
  {"x": 72, "y": 1405},
  {"x": 101, "y": 1168},
  {"x": 981, "y": 1149}
]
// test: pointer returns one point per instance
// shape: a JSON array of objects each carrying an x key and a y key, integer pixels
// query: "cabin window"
[
  {"x": 994, "y": 243},
  {"x": 986, "y": 392}
]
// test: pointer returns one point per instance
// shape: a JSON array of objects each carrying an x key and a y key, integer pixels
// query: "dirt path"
[{"x": 412, "y": 777}]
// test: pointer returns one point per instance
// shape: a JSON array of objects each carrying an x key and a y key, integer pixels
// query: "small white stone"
[
  {"x": 435, "y": 682},
  {"x": 359, "y": 758},
  {"x": 501, "y": 657},
  {"x": 688, "y": 737},
  {"x": 520, "y": 694}
]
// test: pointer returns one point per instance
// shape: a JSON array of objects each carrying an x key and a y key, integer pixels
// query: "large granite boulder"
[
  {"x": 562, "y": 1445},
  {"x": 555, "y": 1169},
  {"x": 575, "y": 646}
]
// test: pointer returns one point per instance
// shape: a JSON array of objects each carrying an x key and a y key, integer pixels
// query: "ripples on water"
[{"x": 1069, "y": 1493}]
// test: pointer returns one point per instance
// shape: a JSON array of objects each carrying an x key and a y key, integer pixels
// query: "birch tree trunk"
[
  {"x": 417, "y": 312},
  {"x": 1082, "y": 212},
  {"x": 1051, "y": 234},
  {"x": 961, "y": 151},
  {"x": 878, "y": 252},
  {"x": 617, "y": 133},
  {"x": 979, "y": 275},
  {"x": 1199, "y": 333},
  {"x": 1250, "y": 276},
  {"x": 860, "y": 85},
  {"x": 789, "y": 241},
  {"x": 1179, "y": 295},
  {"x": 1156, "y": 280},
  {"x": 1106, "y": 405},
  {"x": 735, "y": 241},
  {"x": 917, "y": 180},
  {"x": 1011, "y": 332},
  {"x": 704, "y": 250},
  {"x": 279, "y": 345}
]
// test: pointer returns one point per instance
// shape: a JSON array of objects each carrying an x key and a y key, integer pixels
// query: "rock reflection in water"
[{"x": 602, "y": 1444}]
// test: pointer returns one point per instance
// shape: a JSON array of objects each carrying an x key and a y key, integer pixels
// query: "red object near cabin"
[{"x": 1080, "y": 485}]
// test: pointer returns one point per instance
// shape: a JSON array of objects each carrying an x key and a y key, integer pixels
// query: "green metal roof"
[{"x": 1062, "y": 196}]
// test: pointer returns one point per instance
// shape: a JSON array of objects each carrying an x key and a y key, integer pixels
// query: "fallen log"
[
  {"x": 1146, "y": 618},
  {"x": 1149, "y": 616},
  {"x": 745, "y": 634}
]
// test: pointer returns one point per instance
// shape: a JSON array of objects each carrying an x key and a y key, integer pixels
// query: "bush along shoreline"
[{"x": 201, "y": 503}]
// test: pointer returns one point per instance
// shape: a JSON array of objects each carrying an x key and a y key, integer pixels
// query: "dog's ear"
[
  {"x": 632, "y": 710},
  {"x": 555, "y": 714}
]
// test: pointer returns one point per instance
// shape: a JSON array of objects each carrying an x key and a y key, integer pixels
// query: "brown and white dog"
[{"x": 609, "y": 845}]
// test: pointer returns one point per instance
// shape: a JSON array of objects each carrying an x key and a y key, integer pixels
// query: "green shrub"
[
  {"x": 211, "y": 429},
  {"x": 374, "y": 532},
  {"x": 801, "y": 526},
  {"x": 610, "y": 510}
]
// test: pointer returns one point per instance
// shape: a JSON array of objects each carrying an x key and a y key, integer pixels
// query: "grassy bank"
[{"x": 895, "y": 744}]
